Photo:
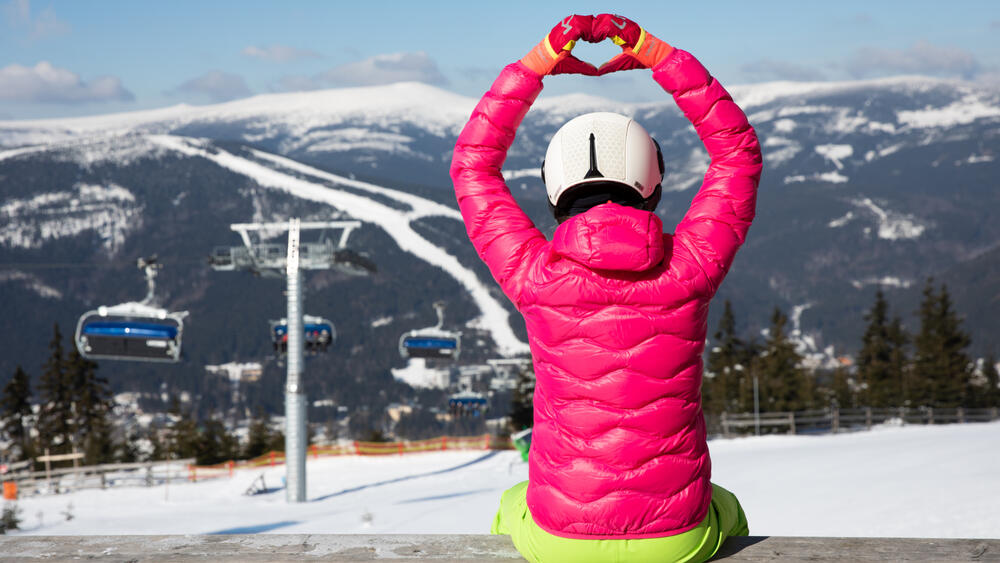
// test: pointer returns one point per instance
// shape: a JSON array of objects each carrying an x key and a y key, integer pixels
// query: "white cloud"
[
  {"x": 921, "y": 58},
  {"x": 49, "y": 84},
  {"x": 17, "y": 14},
  {"x": 279, "y": 53},
  {"x": 768, "y": 69},
  {"x": 218, "y": 86},
  {"x": 380, "y": 69},
  {"x": 386, "y": 69},
  {"x": 296, "y": 83}
]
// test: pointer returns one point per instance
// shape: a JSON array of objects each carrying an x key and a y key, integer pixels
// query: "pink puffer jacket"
[{"x": 616, "y": 314}]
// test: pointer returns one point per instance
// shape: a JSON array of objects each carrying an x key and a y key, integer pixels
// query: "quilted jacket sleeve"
[
  {"x": 501, "y": 232},
  {"x": 716, "y": 224}
]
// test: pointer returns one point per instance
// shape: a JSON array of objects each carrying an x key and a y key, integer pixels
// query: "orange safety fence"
[{"x": 226, "y": 469}]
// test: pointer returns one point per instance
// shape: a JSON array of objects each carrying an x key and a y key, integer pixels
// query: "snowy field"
[{"x": 941, "y": 481}]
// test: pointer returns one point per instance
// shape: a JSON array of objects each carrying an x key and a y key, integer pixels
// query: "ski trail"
[
  {"x": 11, "y": 153},
  {"x": 395, "y": 222},
  {"x": 421, "y": 207}
]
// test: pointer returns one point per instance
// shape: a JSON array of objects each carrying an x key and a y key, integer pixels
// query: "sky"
[{"x": 62, "y": 58}]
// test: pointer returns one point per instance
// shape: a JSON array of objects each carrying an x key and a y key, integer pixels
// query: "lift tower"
[{"x": 270, "y": 260}]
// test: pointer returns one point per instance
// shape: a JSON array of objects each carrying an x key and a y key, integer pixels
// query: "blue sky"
[{"x": 65, "y": 58}]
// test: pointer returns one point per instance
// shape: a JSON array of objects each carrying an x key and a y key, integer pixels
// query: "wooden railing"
[
  {"x": 340, "y": 548},
  {"x": 158, "y": 472},
  {"x": 837, "y": 420},
  {"x": 102, "y": 476}
]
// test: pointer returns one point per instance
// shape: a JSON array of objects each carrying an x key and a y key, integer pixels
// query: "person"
[{"x": 615, "y": 309}]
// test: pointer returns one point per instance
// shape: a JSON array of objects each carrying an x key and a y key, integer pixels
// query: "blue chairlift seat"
[
  {"x": 467, "y": 404},
  {"x": 129, "y": 338},
  {"x": 419, "y": 346},
  {"x": 317, "y": 333},
  {"x": 129, "y": 329}
]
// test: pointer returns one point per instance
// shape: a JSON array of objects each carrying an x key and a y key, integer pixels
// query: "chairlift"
[
  {"x": 467, "y": 403},
  {"x": 318, "y": 333},
  {"x": 138, "y": 331},
  {"x": 431, "y": 342}
]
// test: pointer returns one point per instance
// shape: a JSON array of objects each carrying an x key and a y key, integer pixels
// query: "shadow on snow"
[{"x": 479, "y": 459}]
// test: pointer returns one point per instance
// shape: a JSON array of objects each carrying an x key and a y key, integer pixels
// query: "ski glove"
[
  {"x": 553, "y": 54},
  {"x": 640, "y": 49}
]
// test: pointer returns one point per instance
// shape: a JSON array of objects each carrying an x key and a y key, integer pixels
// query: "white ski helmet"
[{"x": 602, "y": 147}]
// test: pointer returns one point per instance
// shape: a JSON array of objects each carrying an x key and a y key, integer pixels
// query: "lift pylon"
[{"x": 274, "y": 260}]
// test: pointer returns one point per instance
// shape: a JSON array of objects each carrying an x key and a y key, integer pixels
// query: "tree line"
[
  {"x": 892, "y": 368},
  {"x": 75, "y": 413}
]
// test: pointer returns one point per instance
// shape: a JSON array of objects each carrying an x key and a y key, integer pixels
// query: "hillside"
[{"x": 867, "y": 184}]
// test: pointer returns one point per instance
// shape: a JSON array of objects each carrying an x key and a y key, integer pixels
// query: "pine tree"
[
  {"x": 15, "y": 407},
  {"x": 941, "y": 367},
  {"x": 991, "y": 394},
  {"x": 784, "y": 385},
  {"x": 875, "y": 356},
  {"x": 128, "y": 450},
  {"x": 184, "y": 437},
  {"x": 726, "y": 367},
  {"x": 159, "y": 440},
  {"x": 92, "y": 406},
  {"x": 55, "y": 421},
  {"x": 842, "y": 391},
  {"x": 259, "y": 436},
  {"x": 899, "y": 364},
  {"x": 215, "y": 444},
  {"x": 522, "y": 408}
]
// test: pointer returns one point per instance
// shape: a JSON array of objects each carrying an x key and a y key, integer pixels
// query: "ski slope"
[
  {"x": 276, "y": 172},
  {"x": 940, "y": 481}
]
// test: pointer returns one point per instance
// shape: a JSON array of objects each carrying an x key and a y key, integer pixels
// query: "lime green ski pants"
[{"x": 725, "y": 518}]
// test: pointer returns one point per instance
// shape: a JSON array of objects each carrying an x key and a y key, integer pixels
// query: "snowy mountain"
[{"x": 870, "y": 183}]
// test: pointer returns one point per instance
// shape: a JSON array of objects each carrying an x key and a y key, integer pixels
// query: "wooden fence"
[
  {"x": 838, "y": 420},
  {"x": 160, "y": 472},
  {"x": 98, "y": 476},
  {"x": 227, "y": 469}
]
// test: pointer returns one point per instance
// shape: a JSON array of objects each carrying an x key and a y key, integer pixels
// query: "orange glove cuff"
[
  {"x": 543, "y": 58},
  {"x": 649, "y": 50}
]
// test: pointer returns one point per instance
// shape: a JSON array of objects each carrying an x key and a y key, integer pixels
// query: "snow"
[
  {"x": 830, "y": 177},
  {"x": 752, "y": 95},
  {"x": 835, "y": 153},
  {"x": 395, "y": 222},
  {"x": 109, "y": 210},
  {"x": 418, "y": 375},
  {"x": 908, "y": 481},
  {"x": 688, "y": 175},
  {"x": 840, "y": 222},
  {"x": 962, "y": 112},
  {"x": 295, "y": 114},
  {"x": 892, "y": 225},
  {"x": 784, "y": 126},
  {"x": 509, "y": 175},
  {"x": 884, "y": 281},
  {"x": 31, "y": 282},
  {"x": 975, "y": 159}
]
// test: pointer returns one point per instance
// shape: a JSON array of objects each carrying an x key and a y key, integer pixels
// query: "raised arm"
[
  {"x": 501, "y": 232},
  {"x": 716, "y": 224}
]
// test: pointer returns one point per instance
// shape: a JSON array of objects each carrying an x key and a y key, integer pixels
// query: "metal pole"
[
  {"x": 756, "y": 409},
  {"x": 295, "y": 397}
]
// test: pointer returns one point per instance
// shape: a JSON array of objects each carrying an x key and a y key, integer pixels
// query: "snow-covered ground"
[{"x": 941, "y": 481}]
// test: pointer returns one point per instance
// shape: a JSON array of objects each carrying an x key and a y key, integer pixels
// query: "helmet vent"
[{"x": 593, "y": 172}]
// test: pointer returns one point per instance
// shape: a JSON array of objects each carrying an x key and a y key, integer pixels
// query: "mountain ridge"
[{"x": 867, "y": 184}]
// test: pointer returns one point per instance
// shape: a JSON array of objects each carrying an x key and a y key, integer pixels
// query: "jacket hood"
[{"x": 612, "y": 237}]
